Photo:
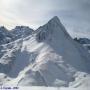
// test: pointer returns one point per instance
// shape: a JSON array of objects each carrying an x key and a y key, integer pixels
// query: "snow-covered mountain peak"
[
  {"x": 55, "y": 19},
  {"x": 5, "y": 35},
  {"x": 53, "y": 29},
  {"x": 21, "y": 27},
  {"x": 47, "y": 57},
  {"x": 3, "y": 29},
  {"x": 21, "y": 31}
]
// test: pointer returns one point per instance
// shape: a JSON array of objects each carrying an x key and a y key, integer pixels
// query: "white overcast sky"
[{"x": 74, "y": 14}]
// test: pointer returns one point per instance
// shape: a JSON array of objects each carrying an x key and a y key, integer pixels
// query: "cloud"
[
  {"x": 27, "y": 12},
  {"x": 73, "y": 13}
]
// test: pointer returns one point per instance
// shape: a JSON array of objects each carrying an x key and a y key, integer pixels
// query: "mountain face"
[
  {"x": 21, "y": 32},
  {"x": 5, "y": 35},
  {"x": 17, "y": 33},
  {"x": 85, "y": 42},
  {"x": 82, "y": 40},
  {"x": 47, "y": 57}
]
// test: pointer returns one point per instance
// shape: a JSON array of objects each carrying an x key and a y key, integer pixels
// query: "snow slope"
[{"x": 48, "y": 57}]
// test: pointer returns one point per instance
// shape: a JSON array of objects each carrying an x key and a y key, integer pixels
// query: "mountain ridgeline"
[
  {"x": 18, "y": 32},
  {"x": 45, "y": 57}
]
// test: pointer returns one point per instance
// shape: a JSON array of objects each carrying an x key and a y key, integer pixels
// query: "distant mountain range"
[
  {"x": 18, "y": 32},
  {"x": 84, "y": 41}
]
